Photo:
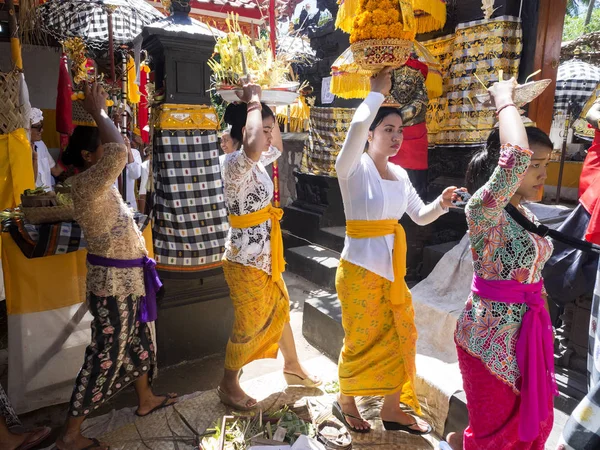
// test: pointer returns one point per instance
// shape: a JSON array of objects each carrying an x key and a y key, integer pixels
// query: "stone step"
[
  {"x": 314, "y": 263},
  {"x": 322, "y": 323},
  {"x": 432, "y": 255},
  {"x": 332, "y": 238}
]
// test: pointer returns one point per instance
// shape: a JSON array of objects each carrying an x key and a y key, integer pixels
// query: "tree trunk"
[{"x": 590, "y": 10}]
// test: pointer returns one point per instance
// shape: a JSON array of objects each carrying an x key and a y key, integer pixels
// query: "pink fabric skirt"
[{"x": 494, "y": 410}]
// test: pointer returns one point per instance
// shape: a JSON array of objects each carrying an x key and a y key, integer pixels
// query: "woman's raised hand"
[
  {"x": 502, "y": 92},
  {"x": 382, "y": 81},
  {"x": 250, "y": 92},
  {"x": 95, "y": 99}
]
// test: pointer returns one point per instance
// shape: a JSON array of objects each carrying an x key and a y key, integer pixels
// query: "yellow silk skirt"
[
  {"x": 380, "y": 345},
  {"x": 261, "y": 309}
]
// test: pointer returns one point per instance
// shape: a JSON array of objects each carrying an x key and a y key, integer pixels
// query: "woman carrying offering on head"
[
  {"x": 504, "y": 335},
  {"x": 121, "y": 281},
  {"x": 378, "y": 357},
  {"x": 253, "y": 261}
]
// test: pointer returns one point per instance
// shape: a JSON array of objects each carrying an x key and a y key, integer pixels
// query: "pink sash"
[{"x": 535, "y": 349}]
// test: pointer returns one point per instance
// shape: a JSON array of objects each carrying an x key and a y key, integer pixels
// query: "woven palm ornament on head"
[{"x": 11, "y": 110}]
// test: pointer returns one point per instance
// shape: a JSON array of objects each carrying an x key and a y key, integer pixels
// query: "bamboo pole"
[{"x": 15, "y": 43}]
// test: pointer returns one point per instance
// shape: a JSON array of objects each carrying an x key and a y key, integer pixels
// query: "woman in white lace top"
[{"x": 253, "y": 260}]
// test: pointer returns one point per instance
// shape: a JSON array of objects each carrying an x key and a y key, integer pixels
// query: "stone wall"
[{"x": 293, "y": 146}]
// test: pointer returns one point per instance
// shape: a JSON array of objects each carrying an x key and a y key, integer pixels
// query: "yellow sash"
[
  {"x": 258, "y": 217},
  {"x": 363, "y": 229}
]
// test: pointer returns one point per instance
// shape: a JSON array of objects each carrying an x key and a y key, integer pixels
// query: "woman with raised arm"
[
  {"x": 378, "y": 357},
  {"x": 253, "y": 261},
  {"x": 504, "y": 335},
  {"x": 121, "y": 281}
]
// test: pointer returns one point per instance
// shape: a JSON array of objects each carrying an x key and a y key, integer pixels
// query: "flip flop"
[
  {"x": 164, "y": 404},
  {"x": 239, "y": 406},
  {"x": 95, "y": 444},
  {"x": 341, "y": 416},
  {"x": 296, "y": 380},
  {"x": 45, "y": 432},
  {"x": 338, "y": 440},
  {"x": 395, "y": 426}
]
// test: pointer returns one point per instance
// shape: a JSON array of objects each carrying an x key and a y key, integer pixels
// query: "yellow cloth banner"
[
  {"x": 363, "y": 229},
  {"x": 15, "y": 50},
  {"x": 133, "y": 90},
  {"x": 16, "y": 168},
  {"x": 51, "y": 282},
  {"x": 258, "y": 217},
  {"x": 261, "y": 309}
]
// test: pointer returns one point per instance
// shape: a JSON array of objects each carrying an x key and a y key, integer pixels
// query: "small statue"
[{"x": 410, "y": 95}]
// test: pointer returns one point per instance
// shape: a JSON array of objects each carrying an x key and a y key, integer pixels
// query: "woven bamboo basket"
[
  {"x": 48, "y": 214},
  {"x": 12, "y": 114},
  {"x": 375, "y": 54}
]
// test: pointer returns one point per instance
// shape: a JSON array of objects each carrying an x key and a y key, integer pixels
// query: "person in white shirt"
[
  {"x": 379, "y": 353},
  {"x": 134, "y": 172},
  {"x": 227, "y": 142},
  {"x": 44, "y": 166}
]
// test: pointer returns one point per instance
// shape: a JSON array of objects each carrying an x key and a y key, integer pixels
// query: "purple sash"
[
  {"x": 535, "y": 350},
  {"x": 147, "y": 311}
]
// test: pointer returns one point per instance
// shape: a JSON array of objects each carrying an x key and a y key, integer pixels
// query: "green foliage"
[{"x": 574, "y": 25}]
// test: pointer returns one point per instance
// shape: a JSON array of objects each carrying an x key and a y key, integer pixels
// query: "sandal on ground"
[
  {"x": 296, "y": 380},
  {"x": 395, "y": 426},
  {"x": 95, "y": 444},
  {"x": 341, "y": 416},
  {"x": 333, "y": 437},
  {"x": 164, "y": 404},
  {"x": 239, "y": 406},
  {"x": 36, "y": 437}
]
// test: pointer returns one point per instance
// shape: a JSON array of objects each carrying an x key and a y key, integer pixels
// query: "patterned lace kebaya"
[
  {"x": 502, "y": 250},
  {"x": 249, "y": 188},
  {"x": 116, "y": 236}
]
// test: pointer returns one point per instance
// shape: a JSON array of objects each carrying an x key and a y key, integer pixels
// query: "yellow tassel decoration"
[
  {"x": 346, "y": 13},
  {"x": 434, "y": 83},
  {"x": 299, "y": 116},
  {"x": 430, "y": 15},
  {"x": 350, "y": 85}
]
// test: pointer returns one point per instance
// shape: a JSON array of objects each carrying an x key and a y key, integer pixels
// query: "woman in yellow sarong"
[
  {"x": 378, "y": 357},
  {"x": 253, "y": 261}
]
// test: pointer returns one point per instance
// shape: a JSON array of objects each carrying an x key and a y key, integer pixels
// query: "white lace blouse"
[{"x": 249, "y": 188}]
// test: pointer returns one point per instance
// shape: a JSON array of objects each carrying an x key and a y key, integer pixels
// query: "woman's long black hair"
[
  {"x": 484, "y": 161},
  {"x": 83, "y": 138},
  {"x": 236, "y": 115}
]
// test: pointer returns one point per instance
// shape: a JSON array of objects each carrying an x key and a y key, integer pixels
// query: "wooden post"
[
  {"x": 15, "y": 43},
  {"x": 124, "y": 117},
  {"x": 547, "y": 58}
]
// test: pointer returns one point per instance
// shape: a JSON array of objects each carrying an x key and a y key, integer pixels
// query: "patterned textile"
[
  {"x": 121, "y": 351},
  {"x": 576, "y": 81},
  {"x": 502, "y": 250},
  {"x": 88, "y": 19},
  {"x": 261, "y": 308},
  {"x": 482, "y": 47},
  {"x": 375, "y": 329},
  {"x": 327, "y": 132},
  {"x": 7, "y": 411},
  {"x": 249, "y": 189},
  {"x": 582, "y": 430},
  {"x": 36, "y": 241},
  {"x": 494, "y": 410},
  {"x": 108, "y": 224},
  {"x": 190, "y": 223}
]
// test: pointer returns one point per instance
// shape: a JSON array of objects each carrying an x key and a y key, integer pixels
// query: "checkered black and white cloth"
[
  {"x": 37, "y": 241},
  {"x": 190, "y": 216},
  {"x": 88, "y": 19},
  {"x": 576, "y": 81}
]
